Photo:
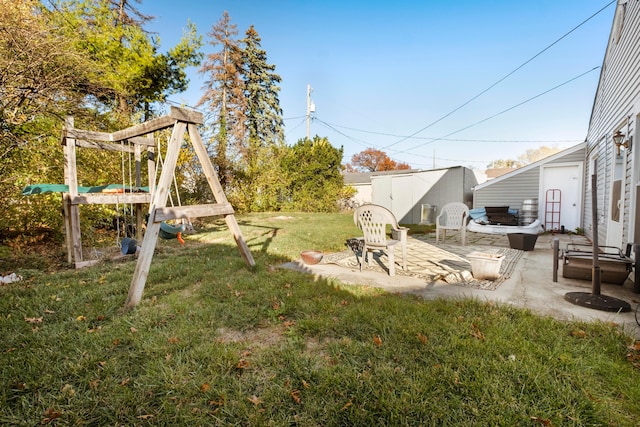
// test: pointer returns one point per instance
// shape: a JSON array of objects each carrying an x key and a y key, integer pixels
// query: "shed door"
[{"x": 567, "y": 179}]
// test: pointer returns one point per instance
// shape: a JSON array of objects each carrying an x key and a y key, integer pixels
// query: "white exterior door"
[
  {"x": 616, "y": 203},
  {"x": 564, "y": 205}
]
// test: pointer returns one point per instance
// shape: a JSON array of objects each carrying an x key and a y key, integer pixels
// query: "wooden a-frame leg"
[{"x": 153, "y": 228}]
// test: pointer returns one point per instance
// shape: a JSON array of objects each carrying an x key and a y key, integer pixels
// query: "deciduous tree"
[
  {"x": 372, "y": 160},
  {"x": 312, "y": 171}
]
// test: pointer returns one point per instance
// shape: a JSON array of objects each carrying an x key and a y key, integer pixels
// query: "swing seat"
[
  {"x": 128, "y": 246},
  {"x": 171, "y": 232}
]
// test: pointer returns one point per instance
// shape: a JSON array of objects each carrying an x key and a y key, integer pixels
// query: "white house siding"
[{"x": 616, "y": 106}]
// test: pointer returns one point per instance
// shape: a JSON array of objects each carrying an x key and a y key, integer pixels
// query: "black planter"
[{"x": 522, "y": 241}]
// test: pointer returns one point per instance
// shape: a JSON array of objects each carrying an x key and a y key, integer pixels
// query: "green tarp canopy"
[{"x": 63, "y": 188}]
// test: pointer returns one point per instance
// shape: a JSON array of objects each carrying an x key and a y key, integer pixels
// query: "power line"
[
  {"x": 296, "y": 126},
  {"x": 503, "y": 111},
  {"x": 369, "y": 145},
  {"x": 503, "y": 78},
  {"x": 453, "y": 139},
  {"x": 329, "y": 126}
]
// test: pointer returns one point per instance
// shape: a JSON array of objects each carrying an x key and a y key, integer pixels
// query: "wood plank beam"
[
  {"x": 177, "y": 114},
  {"x": 104, "y": 146},
  {"x": 143, "y": 140},
  {"x": 144, "y": 128},
  {"x": 187, "y": 116},
  {"x": 110, "y": 199},
  {"x": 192, "y": 211},
  {"x": 85, "y": 134}
]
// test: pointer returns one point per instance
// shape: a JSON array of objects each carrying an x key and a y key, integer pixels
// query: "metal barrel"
[{"x": 529, "y": 211}]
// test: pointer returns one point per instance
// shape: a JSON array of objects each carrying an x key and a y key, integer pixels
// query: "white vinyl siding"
[{"x": 615, "y": 107}]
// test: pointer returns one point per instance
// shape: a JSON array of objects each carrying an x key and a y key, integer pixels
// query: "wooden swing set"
[{"x": 182, "y": 121}]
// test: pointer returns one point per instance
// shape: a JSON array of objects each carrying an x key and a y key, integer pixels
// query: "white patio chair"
[
  {"x": 453, "y": 216},
  {"x": 373, "y": 220}
]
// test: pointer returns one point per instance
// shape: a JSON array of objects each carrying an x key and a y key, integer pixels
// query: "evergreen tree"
[
  {"x": 224, "y": 97},
  {"x": 264, "y": 124}
]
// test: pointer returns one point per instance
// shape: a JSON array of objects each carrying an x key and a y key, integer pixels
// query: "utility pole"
[{"x": 311, "y": 108}]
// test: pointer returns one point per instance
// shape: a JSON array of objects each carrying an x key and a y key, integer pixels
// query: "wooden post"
[
  {"x": 74, "y": 243},
  {"x": 218, "y": 193},
  {"x": 153, "y": 228}
]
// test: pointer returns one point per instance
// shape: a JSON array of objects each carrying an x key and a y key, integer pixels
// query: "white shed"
[{"x": 416, "y": 196}]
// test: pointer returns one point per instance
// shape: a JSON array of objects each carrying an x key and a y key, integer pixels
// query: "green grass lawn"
[{"x": 216, "y": 343}]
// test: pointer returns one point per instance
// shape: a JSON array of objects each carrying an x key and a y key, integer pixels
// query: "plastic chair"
[
  {"x": 453, "y": 216},
  {"x": 373, "y": 220}
]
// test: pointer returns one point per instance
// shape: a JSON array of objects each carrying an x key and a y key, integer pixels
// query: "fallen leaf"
[
  {"x": 242, "y": 364},
  {"x": 81, "y": 318},
  {"x": 47, "y": 311},
  {"x": 476, "y": 333},
  {"x": 125, "y": 381},
  {"x": 346, "y": 405},
  {"x": 173, "y": 340},
  {"x": 295, "y": 395},
  {"x": 289, "y": 323},
  {"x": 377, "y": 340},
  {"x": 305, "y": 384},
  {"x": 216, "y": 402},
  {"x": 205, "y": 387},
  {"x": 133, "y": 330},
  {"x": 422, "y": 338},
  {"x": 255, "y": 400},
  {"x": 50, "y": 415},
  {"x": 579, "y": 333},
  {"x": 542, "y": 421},
  {"x": 33, "y": 319},
  {"x": 145, "y": 417},
  {"x": 94, "y": 384}
]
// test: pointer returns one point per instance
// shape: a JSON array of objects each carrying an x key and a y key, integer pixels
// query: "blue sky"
[{"x": 382, "y": 71}]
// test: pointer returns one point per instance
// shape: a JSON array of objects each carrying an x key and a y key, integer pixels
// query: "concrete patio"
[{"x": 529, "y": 285}]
